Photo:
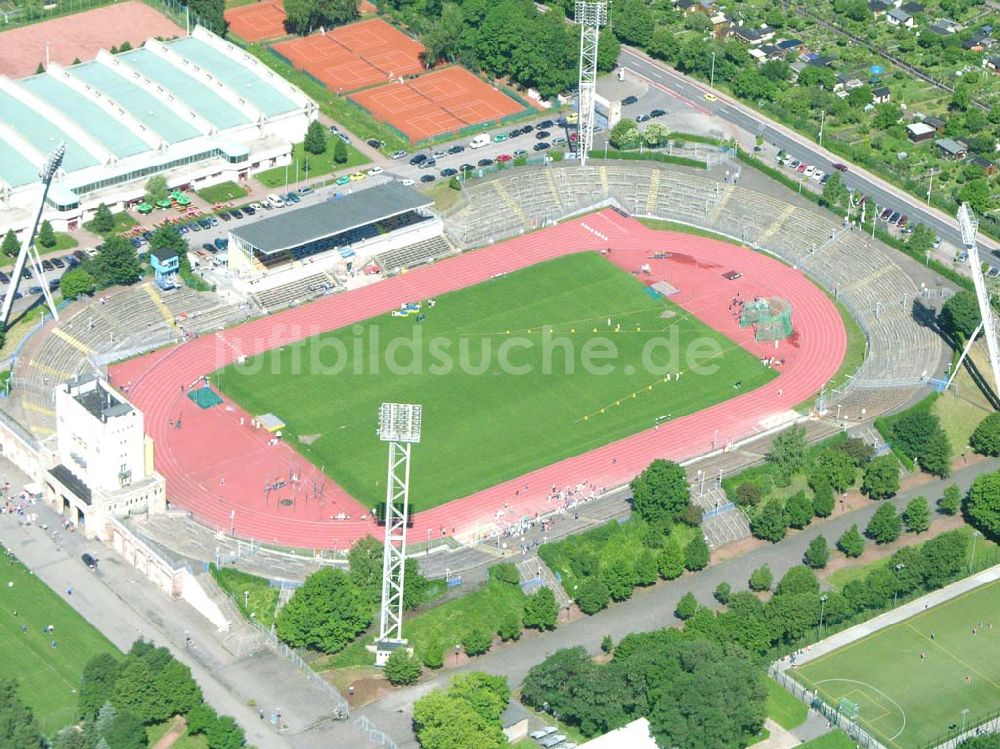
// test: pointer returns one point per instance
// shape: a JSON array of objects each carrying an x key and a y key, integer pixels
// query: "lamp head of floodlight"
[
  {"x": 399, "y": 422},
  {"x": 53, "y": 163},
  {"x": 968, "y": 224},
  {"x": 591, "y": 13}
]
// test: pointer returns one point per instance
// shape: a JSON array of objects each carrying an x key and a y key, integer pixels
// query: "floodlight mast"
[
  {"x": 28, "y": 252},
  {"x": 590, "y": 16},
  {"x": 399, "y": 425},
  {"x": 969, "y": 225}
]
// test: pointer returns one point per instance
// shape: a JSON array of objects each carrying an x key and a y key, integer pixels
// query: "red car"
[
  {"x": 504, "y": 157},
  {"x": 840, "y": 167}
]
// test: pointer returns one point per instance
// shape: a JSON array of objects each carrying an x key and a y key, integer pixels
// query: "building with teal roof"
[{"x": 197, "y": 110}]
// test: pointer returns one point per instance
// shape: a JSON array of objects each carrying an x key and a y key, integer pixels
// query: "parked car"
[
  {"x": 375, "y": 171},
  {"x": 88, "y": 560},
  {"x": 902, "y": 221},
  {"x": 801, "y": 168},
  {"x": 4, "y": 278},
  {"x": 80, "y": 255},
  {"x": 485, "y": 162},
  {"x": 249, "y": 210},
  {"x": 449, "y": 172},
  {"x": 519, "y": 152},
  {"x": 840, "y": 167},
  {"x": 375, "y": 142},
  {"x": 504, "y": 157},
  {"x": 35, "y": 290},
  {"x": 515, "y": 133},
  {"x": 343, "y": 179},
  {"x": 427, "y": 164},
  {"x": 629, "y": 100},
  {"x": 344, "y": 137},
  {"x": 334, "y": 129},
  {"x": 560, "y": 141},
  {"x": 642, "y": 118},
  {"x": 236, "y": 213},
  {"x": 396, "y": 155},
  {"x": 466, "y": 167},
  {"x": 885, "y": 214},
  {"x": 542, "y": 134},
  {"x": 894, "y": 217},
  {"x": 292, "y": 197},
  {"x": 357, "y": 176},
  {"x": 527, "y": 129},
  {"x": 406, "y": 182},
  {"x": 418, "y": 159},
  {"x": 500, "y": 137},
  {"x": 221, "y": 243},
  {"x": 818, "y": 175},
  {"x": 456, "y": 149},
  {"x": 657, "y": 113},
  {"x": 794, "y": 164},
  {"x": 47, "y": 265},
  {"x": 305, "y": 190},
  {"x": 541, "y": 733},
  {"x": 71, "y": 261},
  {"x": 276, "y": 200},
  {"x": 544, "y": 125},
  {"x": 438, "y": 154},
  {"x": 427, "y": 178},
  {"x": 208, "y": 247},
  {"x": 58, "y": 262},
  {"x": 963, "y": 257},
  {"x": 224, "y": 215},
  {"x": 541, "y": 146}
]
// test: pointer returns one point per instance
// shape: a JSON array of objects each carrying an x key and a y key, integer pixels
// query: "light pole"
[
  {"x": 711, "y": 80},
  {"x": 458, "y": 648},
  {"x": 822, "y": 121},
  {"x": 972, "y": 555},
  {"x": 822, "y": 610},
  {"x": 428, "y": 542},
  {"x": 965, "y": 715},
  {"x": 895, "y": 597},
  {"x": 246, "y": 599}
]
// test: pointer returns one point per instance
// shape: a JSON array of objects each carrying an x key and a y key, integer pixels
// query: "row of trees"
[
  {"x": 304, "y": 16},
  {"x": 694, "y": 692}
]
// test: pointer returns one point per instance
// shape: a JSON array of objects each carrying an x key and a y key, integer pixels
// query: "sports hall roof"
[{"x": 299, "y": 226}]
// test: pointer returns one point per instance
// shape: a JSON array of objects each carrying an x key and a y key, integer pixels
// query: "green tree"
[
  {"x": 46, "y": 236},
  {"x": 315, "y": 140},
  {"x": 951, "y": 502},
  {"x": 959, "y": 316},
  {"x": 983, "y": 504},
  {"x": 103, "y": 221},
  {"x": 339, "y": 151},
  {"x": 723, "y": 592},
  {"x": 922, "y": 239},
  {"x": 661, "y": 493},
  {"x": 125, "y": 731},
  {"x": 799, "y": 510},
  {"x": 617, "y": 572},
  {"x": 633, "y": 22},
  {"x": 788, "y": 452},
  {"x": 325, "y": 613},
  {"x": 433, "y": 655},
  {"x": 401, "y": 668},
  {"x": 798, "y": 580},
  {"x": 40, "y": 69},
  {"x": 833, "y": 467},
  {"x": 477, "y": 641},
  {"x": 917, "y": 515},
  {"x": 607, "y": 644},
  {"x": 860, "y": 97},
  {"x": 608, "y": 49},
  {"x": 881, "y": 478},
  {"x": 851, "y": 542},
  {"x": 225, "y": 733},
  {"x": 76, "y": 282},
  {"x": 441, "y": 721},
  {"x": 818, "y": 553},
  {"x": 645, "y": 568},
  {"x": 541, "y": 610},
  {"x": 985, "y": 438},
  {"x": 156, "y": 189},
  {"x": 11, "y": 245},
  {"x": 834, "y": 191},
  {"x": 823, "y": 500},
  {"x": 977, "y": 194},
  {"x": 670, "y": 561},
  {"x": 885, "y": 525},
  {"x": 509, "y": 625},
  {"x": 210, "y": 14},
  {"x": 696, "y": 554},
  {"x": 920, "y": 436},
  {"x": 488, "y": 695},
  {"x": 18, "y": 727},
  {"x": 770, "y": 522},
  {"x": 625, "y": 134},
  {"x": 136, "y": 691},
  {"x": 761, "y": 579},
  {"x": 96, "y": 684},
  {"x": 686, "y": 607},
  {"x": 886, "y": 115},
  {"x": 592, "y": 595}
]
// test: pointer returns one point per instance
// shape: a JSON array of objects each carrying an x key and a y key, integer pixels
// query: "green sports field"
[
  {"x": 48, "y": 677},
  {"x": 483, "y": 421},
  {"x": 906, "y": 701}
]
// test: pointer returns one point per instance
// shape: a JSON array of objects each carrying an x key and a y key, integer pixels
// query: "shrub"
[
  {"x": 761, "y": 579},
  {"x": 401, "y": 668},
  {"x": 799, "y": 510},
  {"x": 851, "y": 542},
  {"x": 723, "y": 591},
  {"x": 917, "y": 515},
  {"x": 951, "y": 502},
  {"x": 505, "y": 572},
  {"x": 509, "y": 625},
  {"x": 477, "y": 641},
  {"x": 748, "y": 494},
  {"x": 818, "y": 553},
  {"x": 823, "y": 500},
  {"x": 985, "y": 439},
  {"x": 670, "y": 561},
  {"x": 885, "y": 525},
  {"x": 433, "y": 656},
  {"x": 686, "y": 607},
  {"x": 696, "y": 554}
]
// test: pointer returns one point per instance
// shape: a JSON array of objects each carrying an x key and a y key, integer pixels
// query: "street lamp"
[
  {"x": 965, "y": 714},
  {"x": 972, "y": 555},
  {"x": 458, "y": 648},
  {"x": 822, "y": 610},
  {"x": 895, "y": 598},
  {"x": 246, "y": 599},
  {"x": 711, "y": 80}
]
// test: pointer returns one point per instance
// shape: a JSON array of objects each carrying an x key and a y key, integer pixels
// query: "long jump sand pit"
[{"x": 81, "y": 35}]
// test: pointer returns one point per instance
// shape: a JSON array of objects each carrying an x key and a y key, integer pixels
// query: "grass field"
[
  {"x": 483, "y": 423},
  {"x": 833, "y": 740},
  {"x": 48, "y": 677},
  {"x": 255, "y": 597},
  {"x": 320, "y": 165},
  {"x": 783, "y": 708},
  {"x": 906, "y": 700},
  {"x": 223, "y": 192}
]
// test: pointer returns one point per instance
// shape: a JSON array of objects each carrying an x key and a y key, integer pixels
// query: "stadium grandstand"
[
  {"x": 196, "y": 110},
  {"x": 384, "y": 227}
]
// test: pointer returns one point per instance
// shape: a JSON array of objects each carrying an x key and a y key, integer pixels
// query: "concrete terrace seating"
[
  {"x": 295, "y": 292},
  {"x": 414, "y": 254},
  {"x": 863, "y": 275}
]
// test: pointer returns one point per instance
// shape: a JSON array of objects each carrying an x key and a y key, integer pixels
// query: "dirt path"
[{"x": 178, "y": 729}]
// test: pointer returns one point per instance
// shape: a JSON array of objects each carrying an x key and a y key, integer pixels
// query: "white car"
[
  {"x": 439, "y": 154},
  {"x": 406, "y": 182},
  {"x": 276, "y": 201},
  {"x": 818, "y": 175},
  {"x": 541, "y": 733},
  {"x": 809, "y": 171},
  {"x": 375, "y": 171}
]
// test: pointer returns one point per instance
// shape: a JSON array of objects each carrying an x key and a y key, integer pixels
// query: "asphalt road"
[{"x": 693, "y": 93}]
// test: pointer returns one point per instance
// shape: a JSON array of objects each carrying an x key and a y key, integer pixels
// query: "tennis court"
[
  {"x": 254, "y": 23},
  {"x": 355, "y": 56},
  {"x": 439, "y": 102}
]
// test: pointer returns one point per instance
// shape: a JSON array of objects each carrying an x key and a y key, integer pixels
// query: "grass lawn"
[
  {"x": 906, "y": 700},
  {"x": 319, "y": 165},
  {"x": 123, "y": 222},
  {"x": 986, "y": 555},
  {"x": 783, "y": 708},
  {"x": 963, "y": 405},
  {"x": 48, "y": 677},
  {"x": 186, "y": 741},
  {"x": 63, "y": 242},
  {"x": 541, "y": 406},
  {"x": 262, "y": 600},
  {"x": 662, "y": 225},
  {"x": 833, "y": 740},
  {"x": 444, "y": 197},
  {"x": 221, "y": 193}
]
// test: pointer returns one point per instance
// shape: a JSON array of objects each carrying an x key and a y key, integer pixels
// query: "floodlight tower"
[
  {"x": 399, "y": 425},
  {"x": 969, "y": 225},
  {"x": 590, "y": 16},
  {"x": 28, "y": 251}
]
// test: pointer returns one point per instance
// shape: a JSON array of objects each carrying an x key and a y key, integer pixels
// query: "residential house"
[
  {"x": 788, "y": 45},
  {"x": 950, "y": 26},
  {"x": 919, "y": 131},
  {"x": 953, "y": 150},
  {"x": 899, "y": 17},
  {"x": 881, "y": 95},
  {"x": 935, "y": 122},
  {"x": 854, "y": 83},
  {"x": 753, "y": 36},
  {"x": 514, "y": 722},
  {"x": 820, "y": 61},
  {"x": 720, "y": 25},
  {"x": 985, "y": 164},
  {"x": 840, "y": 84},
  {"x": 878, "y": 7},
  {"x": 993, "y": 63}
]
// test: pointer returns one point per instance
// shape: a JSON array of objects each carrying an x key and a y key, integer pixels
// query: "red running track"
[{"x": 216, "y": 465}]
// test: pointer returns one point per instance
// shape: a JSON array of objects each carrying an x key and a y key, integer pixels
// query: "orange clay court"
[
  {"x": 439, "y": 102},
  {"x": 266, "y": 19},
  {"x": 355, "y": 56},
  {"x": 81, "y": 35}
]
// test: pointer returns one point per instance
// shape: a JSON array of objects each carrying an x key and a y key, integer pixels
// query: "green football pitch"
[
  {"x": 907, "y": 700},
  {"x": 47, "y": 677},
  {"x": 482, "y": 422}
]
